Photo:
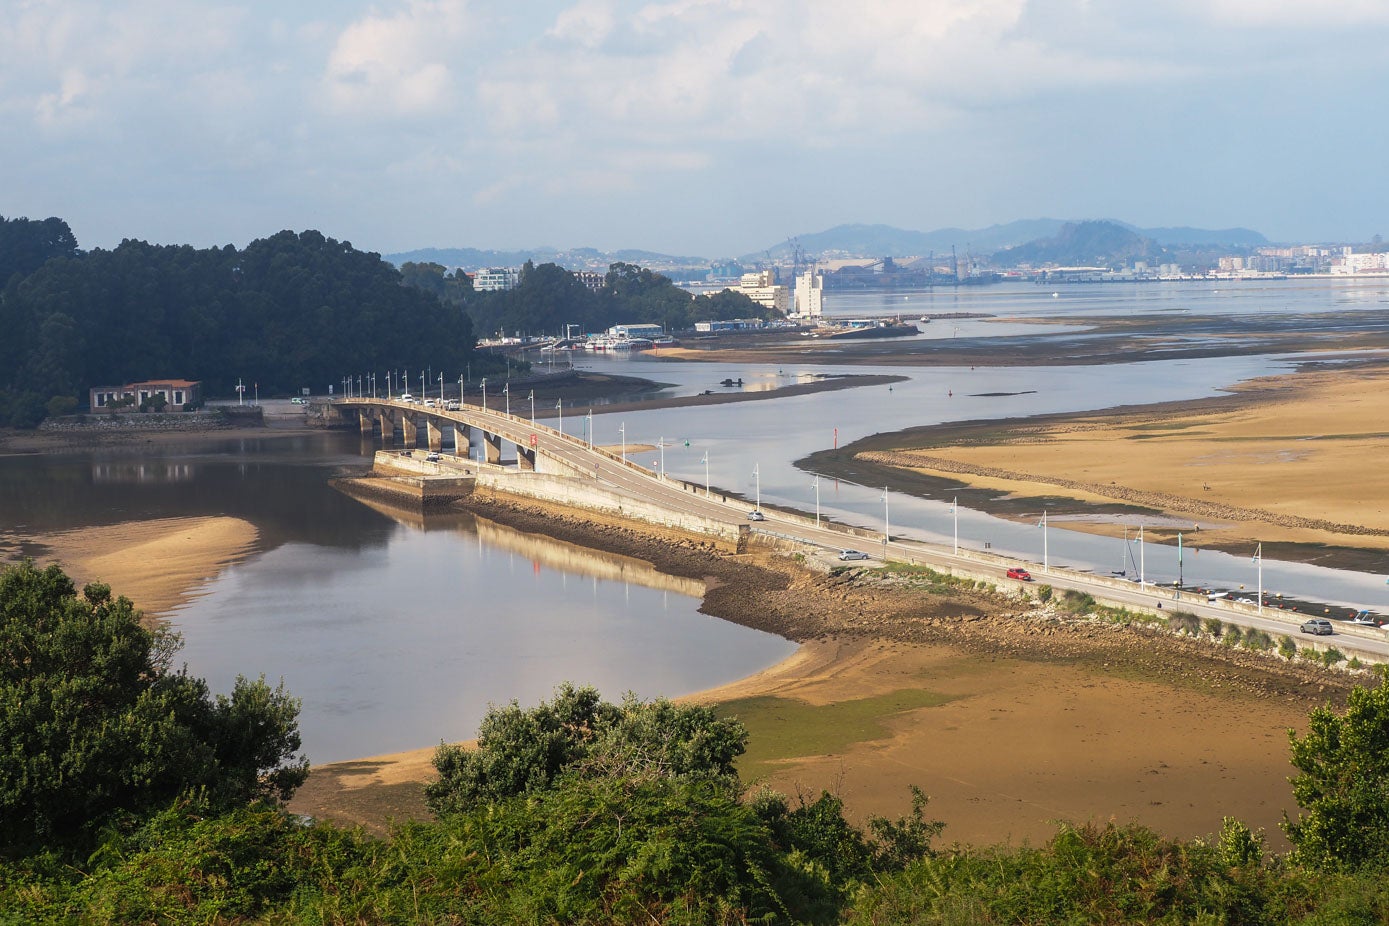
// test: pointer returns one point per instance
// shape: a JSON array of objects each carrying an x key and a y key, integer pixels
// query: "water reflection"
[{"x": 405, "y": 643}]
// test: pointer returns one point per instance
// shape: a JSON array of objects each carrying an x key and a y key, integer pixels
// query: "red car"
[{"x": 1023, "y": 574}]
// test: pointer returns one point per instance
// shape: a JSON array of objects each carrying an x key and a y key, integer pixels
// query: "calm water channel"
[{"x": 397, "y": 632}]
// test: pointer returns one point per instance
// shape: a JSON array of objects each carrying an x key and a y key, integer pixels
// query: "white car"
[{"x": 756, "y": 516}]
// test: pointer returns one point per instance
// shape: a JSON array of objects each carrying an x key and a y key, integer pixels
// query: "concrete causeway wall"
[{"x": 585, "y": 494}]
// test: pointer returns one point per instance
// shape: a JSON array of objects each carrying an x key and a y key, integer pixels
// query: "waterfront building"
[
  {"x": 178, "y": 394},
  {"x": 730, "y": 324},
  {"x": 1352, "y": 264},
  {"x": 636, "y": 331}
]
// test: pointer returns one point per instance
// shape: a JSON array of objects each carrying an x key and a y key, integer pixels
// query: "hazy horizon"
[{"x": 687, "y": 128}]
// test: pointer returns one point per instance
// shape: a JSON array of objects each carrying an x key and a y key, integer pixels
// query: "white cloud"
[{"x": 399, "y": 62}]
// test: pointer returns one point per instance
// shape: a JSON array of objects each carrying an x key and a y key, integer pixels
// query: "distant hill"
[
  {"x": 1089, "y": 244},
  {"x": 570, "y": 259},
  {"x": 887, "y": 241},
  {"x": 1186, "y": 237}
]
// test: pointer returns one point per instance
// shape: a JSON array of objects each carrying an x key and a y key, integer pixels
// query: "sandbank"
[
  {"x": 1291, "y": 460},
  {"x": 158, "y": 564}
]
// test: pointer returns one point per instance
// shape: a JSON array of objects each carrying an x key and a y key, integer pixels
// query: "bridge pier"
[
  {"x": 387, "y": 422},
  {"x": 434, "y": 434},
  {"x": 409, "y": 429},
  {"x": 492, "y": 446},
  {"x": 364, "y": 421},
  {"x": 461, "y": 439},
  {"x": 525, "y": 458}
]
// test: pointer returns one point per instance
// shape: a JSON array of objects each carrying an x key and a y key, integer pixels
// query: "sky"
[{"x": 688, "y": 127}]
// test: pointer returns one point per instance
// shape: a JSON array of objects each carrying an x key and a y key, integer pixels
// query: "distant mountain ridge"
[
  {"x": 887, "y": 241},
  {"x": 844, "y": 241}
]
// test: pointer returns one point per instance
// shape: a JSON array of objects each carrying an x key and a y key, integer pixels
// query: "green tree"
[
  {"x": 522, "y": 751},
  {"x": 94, "y": 723},
  {"x": 1343, "y": 785}
]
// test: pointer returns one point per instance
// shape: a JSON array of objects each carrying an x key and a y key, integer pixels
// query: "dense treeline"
[
  {"x": 127, "y": 794},
  {"x": 287, "y": 311},
  {"x": 548, "y": 297}
]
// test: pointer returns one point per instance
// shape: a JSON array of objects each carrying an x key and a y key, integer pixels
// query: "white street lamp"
[
  {"x": 887, "y": 532},
  {"x": 532, "y": 398},
  {"x": 955, "y": 510},
  {"x": 622, "y": 429},
  {"x": 588, "y": 427},
  {"x": 506, "y": 391},
  {"x": 815, "y": 484},
  {"x": 484, "y": 392},
  {"x": 1259, "y": 558},
  {"x": 705, "y": 461},
  {"x": 560, "y": 405},
  {"x": 757, "y": 481}
]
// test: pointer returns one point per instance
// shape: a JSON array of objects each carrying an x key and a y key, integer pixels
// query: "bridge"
[{"x": 566, "y": 470}]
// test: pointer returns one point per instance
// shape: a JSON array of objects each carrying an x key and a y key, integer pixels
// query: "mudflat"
[{"x": 1292, "y": 461}]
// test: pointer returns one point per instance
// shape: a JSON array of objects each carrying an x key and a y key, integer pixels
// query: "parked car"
[
  {"x": 852, "y": 554},
  {"x": 1319, "y": 626},
  {"x": 756, "y": 516},
  {"x": 1023, "y": 574}
]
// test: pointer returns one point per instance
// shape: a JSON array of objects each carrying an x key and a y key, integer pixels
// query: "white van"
[{"x": 406, "y": 397}]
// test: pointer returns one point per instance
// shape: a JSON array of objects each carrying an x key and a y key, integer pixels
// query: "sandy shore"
[
  {"x": 1291, "y": 460},
  {"x": 157, "y": 564}
]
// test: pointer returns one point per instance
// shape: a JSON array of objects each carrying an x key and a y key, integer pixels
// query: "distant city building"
[
  {"x": 1350, "y": 263},
  {"x": 592, "y": 281},
  {"x": 496, "y": 278},
  {"x": 810, "y": 295},
  {"x": 762, "y": 288},
  {"x": 178, "y": 394}
]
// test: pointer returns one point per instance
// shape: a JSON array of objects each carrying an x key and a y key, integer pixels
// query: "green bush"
[
  {"x": 523, "y": 751},
  {"x": 1287, "y": 648},
  {"x": 1044, "y": 593},
  {"x": 96, "y": 727}
]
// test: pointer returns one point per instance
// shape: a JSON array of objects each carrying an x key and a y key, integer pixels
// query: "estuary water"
[{"x": 396, "y": 632}]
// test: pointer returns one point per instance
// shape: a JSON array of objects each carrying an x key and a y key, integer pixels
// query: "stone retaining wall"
[{"x": 142, "y": 421}]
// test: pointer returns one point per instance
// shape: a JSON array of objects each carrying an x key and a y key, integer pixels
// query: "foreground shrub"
[{"x": 96, "y": 728}]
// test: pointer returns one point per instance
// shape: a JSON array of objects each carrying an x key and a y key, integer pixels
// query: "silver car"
[
  {"x": 852, "y": 554},
  {"x": 1319, "y": 626}
]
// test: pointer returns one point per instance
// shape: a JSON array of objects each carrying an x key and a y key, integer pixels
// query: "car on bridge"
[
  {"x": 1021, "y": 574},
  {"x": 852, "y": 554},
  {"x": 1319, "y": 626},
  {"x": 756, "y": 516}
]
